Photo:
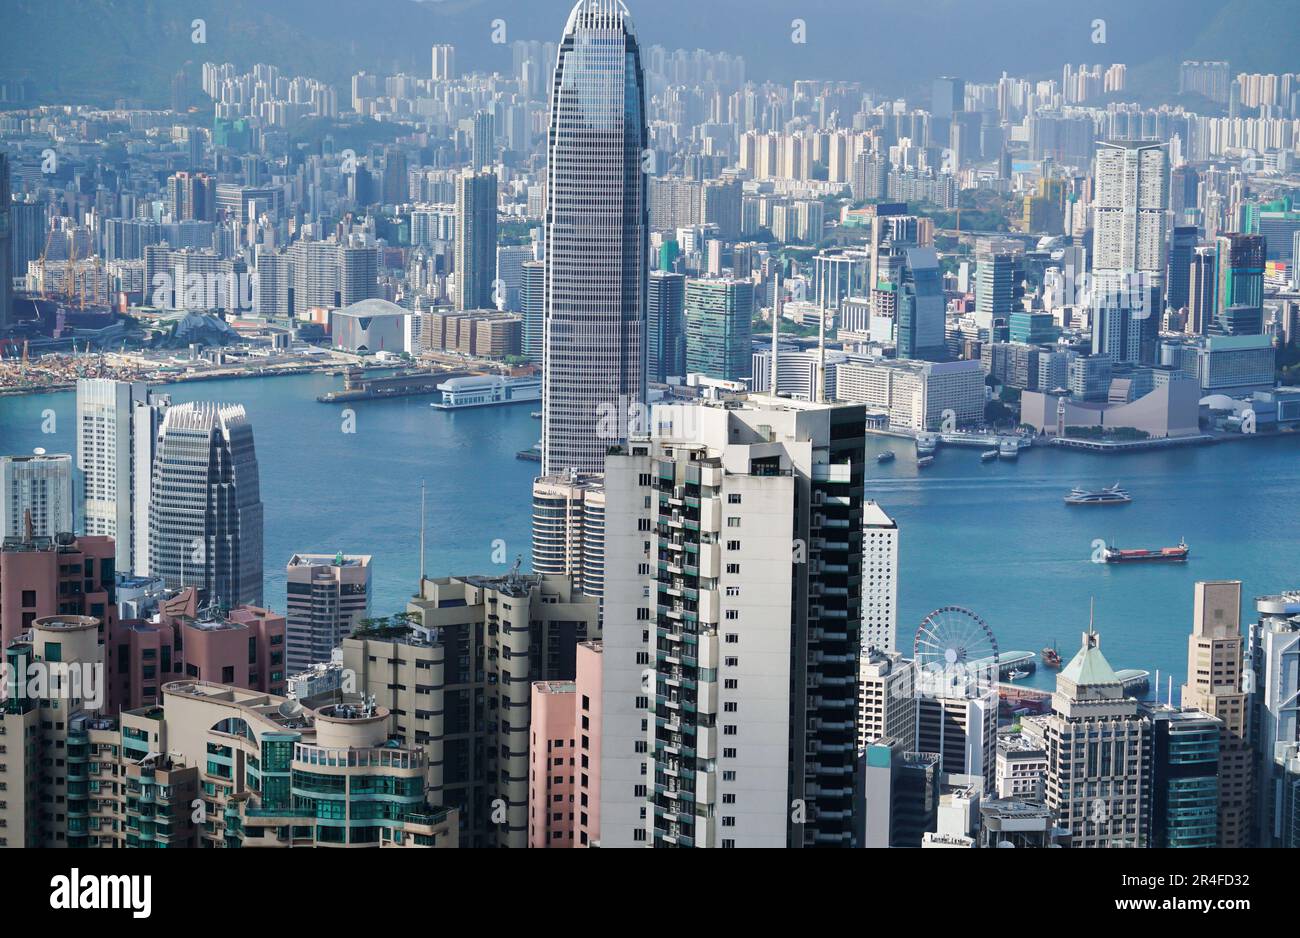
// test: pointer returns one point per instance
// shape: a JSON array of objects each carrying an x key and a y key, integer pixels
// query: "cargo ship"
[{"x": 1162, "y": 555}]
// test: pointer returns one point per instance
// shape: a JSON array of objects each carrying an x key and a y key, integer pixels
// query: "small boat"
[
  {"x": 1051, "y": 657},
  {"x": 925, "y": 461},
  {"x": 1162, "y": 555},
  {"x": 1018, "y": 673},
  {"x": 1113, "y": 495},
  {"x": 989, "y": 455},
  {"x": 886, "y": 456}
]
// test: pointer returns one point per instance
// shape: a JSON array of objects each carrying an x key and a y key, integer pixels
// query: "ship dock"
[
  {"x": 356, "y": 387},
  {"x": 1016, "y": 661},
  {"x": 1135, "y": 681}
]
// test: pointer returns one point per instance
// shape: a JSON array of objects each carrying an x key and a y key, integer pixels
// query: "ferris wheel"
[{"x": 956, "y": 653}]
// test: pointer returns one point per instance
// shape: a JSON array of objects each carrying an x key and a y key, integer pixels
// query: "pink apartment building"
[
  {"x": 55, "y": 576},
  {"x": 243, "y": 648},
  {"x": 564, "y": 757}
]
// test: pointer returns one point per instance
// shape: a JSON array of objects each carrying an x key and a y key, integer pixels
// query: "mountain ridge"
[{"x": 99, "y": 50}]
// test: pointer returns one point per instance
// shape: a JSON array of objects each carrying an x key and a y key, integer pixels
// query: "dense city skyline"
[{"x": 603, "y": 424}]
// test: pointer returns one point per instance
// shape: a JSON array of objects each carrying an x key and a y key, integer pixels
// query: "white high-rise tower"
[{"x": 117, "y": 423}]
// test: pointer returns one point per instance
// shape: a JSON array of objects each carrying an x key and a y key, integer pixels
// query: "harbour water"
[{"x": 995, "y": 537}]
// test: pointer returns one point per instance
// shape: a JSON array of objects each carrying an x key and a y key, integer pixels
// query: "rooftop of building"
[
  {"x": 555, "y": 687},
  {"x": 374, "y": 307},
  {"x": 66, "y": 623},
  {"x": 1010, "y": 807},
  {"x": 1019, "y": 744},
  {"x": 1089, "y": 666},
  {"x": 1280, "y": 604},
  {"x": 352, "y": 712},
  {"x": 339, "y": 559},
  {"x": 874, "y": 516},
  {"x": 283, "y": 712},
  {"x": 40, "y": 543},
  {"x": 38, "y": 457}
]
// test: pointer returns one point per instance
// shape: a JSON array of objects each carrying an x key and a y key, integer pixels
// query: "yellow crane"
[{"x": 40, "y": 264}]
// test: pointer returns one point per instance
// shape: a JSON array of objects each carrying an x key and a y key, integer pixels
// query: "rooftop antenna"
[
  {"x": 819, "y": 395},
  {"x": 421, "y": 534},
  {"x": 776, "y": 326}
]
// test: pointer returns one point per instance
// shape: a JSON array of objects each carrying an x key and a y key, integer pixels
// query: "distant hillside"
[{"x": 97, "y": 50}]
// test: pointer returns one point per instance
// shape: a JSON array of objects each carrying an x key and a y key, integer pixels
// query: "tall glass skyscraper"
[
  {"x": 205, "y": 516},
  {"x": 597, "y": 239},
  {"x": 6, "y": 272}
]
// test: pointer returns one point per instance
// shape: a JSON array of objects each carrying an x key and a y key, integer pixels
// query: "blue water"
[
  {"x": 998, "y": 539},
  {"x": 995, "y": 538},
  {"x": 325, "y": 490}
]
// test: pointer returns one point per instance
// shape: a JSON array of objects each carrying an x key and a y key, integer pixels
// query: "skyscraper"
[
  {"x": 484, "y": 150},
  {"x": 999, "y": 280},
  {"x": 532, "y": 302},
  {"x": 1202, "y": 290},
  {"x": 732, "y": 628},
  {"x": 1130, "y": 247},
  {"x": 1239, "y": 302},
  {"x": 1099, "y": 754},
  {"x": 921, "y": 320},
  {"x": 1275, "y": 712},
  {"x": 396, "y": 188},
  {"x": 719, "y": 317},
  {"x": 879, "y": 579},
  {"x": 41, "y": 485},
  {"x": 1181, "y": 250},
  {"x": 720, "y": 202},
  {"x": 358, "y": 271},
  {"x": 569, "y": 530},
  {"x": 462, "y": 680},
  {"x": 192, "y": 196},
  {"x": 666, "y": 326},
  {"x": 116, "y": 426},
  {"x": 597, "y": 237},
  {"x": 476, "y": 239},
  {"x": 1215, "y": 685},
  {"x": 1184, "y": 777},
  {"x": 444, "y": 62},
  {"x": 6, "y": 250},
  {"x": 205, "y": 516},
  {"x": 327, "y": 597}
]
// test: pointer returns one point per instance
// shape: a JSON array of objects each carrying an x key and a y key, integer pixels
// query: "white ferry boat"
[{"x": 487, "y": 391}]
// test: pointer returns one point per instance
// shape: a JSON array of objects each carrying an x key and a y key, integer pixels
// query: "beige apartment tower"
[
  {"x": 460, "y": 681},
  {"x": 1098, "y": 754},
  {"x": 1214, "y": 685}
]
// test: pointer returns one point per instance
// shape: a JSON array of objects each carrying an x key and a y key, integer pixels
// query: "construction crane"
[
  {"x": 70, "y": 275},
  {"x": 40, "y": 264}
]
